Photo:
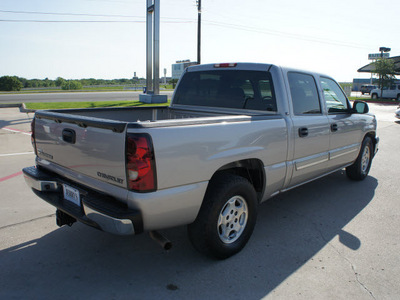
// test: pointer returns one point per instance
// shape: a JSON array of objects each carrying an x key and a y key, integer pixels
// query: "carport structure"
[{"x": 370, "y": 68}]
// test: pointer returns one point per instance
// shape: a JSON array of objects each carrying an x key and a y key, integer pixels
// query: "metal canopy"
[{"x": 370, "y": 68}]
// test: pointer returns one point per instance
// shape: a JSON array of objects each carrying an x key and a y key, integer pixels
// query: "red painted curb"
[{"x": 10, "y": 176}]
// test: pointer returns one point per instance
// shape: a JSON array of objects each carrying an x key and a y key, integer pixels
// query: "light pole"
[
  {"x": 152, "y": 54},
  {"x": 198, "y": 31}
]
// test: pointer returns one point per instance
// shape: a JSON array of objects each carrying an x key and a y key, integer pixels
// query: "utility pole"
[{"x": 198, "y": 31}]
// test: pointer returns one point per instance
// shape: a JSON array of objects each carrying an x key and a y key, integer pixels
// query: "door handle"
[
  {"x": 334, "y": 127},
  {"x": 303, "y": 132},
  {"x": 69, "y": 136}
]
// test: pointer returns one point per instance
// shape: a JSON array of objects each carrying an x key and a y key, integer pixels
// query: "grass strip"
[{"x": 93, "y": 104}]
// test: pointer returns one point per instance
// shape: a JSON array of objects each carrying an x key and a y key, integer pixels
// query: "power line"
[
  {"x": 89, "y": 21},
  {"x": 170, "y": 20},
  {"x": 285, "y": 34},
  {"x": 85, "y": 15},
  {"x": 58, "y": 21},
  {"x": 65, "y": 14}
]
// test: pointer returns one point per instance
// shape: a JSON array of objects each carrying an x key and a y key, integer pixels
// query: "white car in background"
[
  {"x": 392, "y": 92},
  {"x": 397, "y": 112}
]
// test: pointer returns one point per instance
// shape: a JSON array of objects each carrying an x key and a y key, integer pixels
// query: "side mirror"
[{"x": 360, "y": 107}]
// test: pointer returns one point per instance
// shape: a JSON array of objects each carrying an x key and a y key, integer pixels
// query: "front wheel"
[
  {"x": 227, "y": 217},
  {"x": 360, "y": 168},
  {"x": 374, "y": 96}
]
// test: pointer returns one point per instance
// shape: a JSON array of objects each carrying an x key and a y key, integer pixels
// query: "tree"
[
  {"x": 9, "y": 83},
  {"x": 384, "y": 68},
  {"x": 173, "y": 82},
  {"x": 71, "y": 85},
  {"x": 60, "y": 81}
]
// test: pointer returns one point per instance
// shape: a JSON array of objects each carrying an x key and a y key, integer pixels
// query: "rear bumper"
[{"x": 96, "y": 209}]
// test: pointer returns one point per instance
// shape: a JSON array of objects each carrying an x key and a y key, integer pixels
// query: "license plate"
[{"x": 72, "y": 195}]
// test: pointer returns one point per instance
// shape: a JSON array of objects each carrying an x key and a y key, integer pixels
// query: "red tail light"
[
  {"x": 33, "y": 134},
  {"x": 140, "y": 163}
]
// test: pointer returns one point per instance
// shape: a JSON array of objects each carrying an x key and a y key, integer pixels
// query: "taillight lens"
[
  {"x": 33, "y": 134},
  {"x": 140, "y": 163}
]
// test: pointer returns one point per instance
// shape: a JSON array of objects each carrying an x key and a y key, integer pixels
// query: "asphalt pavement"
[{"x": 330, "y": 239}]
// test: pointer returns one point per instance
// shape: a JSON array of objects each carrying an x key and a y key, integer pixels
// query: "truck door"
[
  {"x": 345, "y": 128},
  {"x": 311, "y": 129}
]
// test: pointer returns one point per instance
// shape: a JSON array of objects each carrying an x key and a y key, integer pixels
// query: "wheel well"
[
  {"x": 372, "y": 135},
  {"x": 251, "y": 169}
]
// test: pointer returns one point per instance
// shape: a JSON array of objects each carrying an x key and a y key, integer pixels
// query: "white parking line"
[{"x": 12, "y": 154}]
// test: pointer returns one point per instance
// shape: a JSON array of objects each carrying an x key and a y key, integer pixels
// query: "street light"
[
  {"x": 384, "y": 49},
  {"x": 198, "y": 2}
]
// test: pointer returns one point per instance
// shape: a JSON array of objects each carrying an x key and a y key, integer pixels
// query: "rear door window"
[{"x": 304, "y": 93}]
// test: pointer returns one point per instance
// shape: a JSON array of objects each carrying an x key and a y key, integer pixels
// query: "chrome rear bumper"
[{"x": 96, "y": 209}]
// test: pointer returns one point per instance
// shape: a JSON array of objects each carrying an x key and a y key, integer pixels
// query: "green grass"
[
  {"x": 95, "y": 104},
  {"x": 85, "y": 89}
]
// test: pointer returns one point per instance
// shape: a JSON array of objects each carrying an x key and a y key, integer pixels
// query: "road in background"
[
  {"x": 329, "y": 239},
  {"x": 89, "y": 96},
  {"x": 74, "y": 97}
]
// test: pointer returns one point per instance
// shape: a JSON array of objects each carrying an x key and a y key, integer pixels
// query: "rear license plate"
[{"x": 71, "y": 194}]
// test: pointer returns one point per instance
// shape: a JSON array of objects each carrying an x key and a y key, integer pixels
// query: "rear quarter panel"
[{"x": 191, "y": 154}]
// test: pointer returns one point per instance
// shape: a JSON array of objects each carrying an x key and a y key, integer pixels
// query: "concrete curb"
[
  {"x": 21, "y": 106},
  {"x": 9, "y": 105},
  {"x": 381, "y": 102}
]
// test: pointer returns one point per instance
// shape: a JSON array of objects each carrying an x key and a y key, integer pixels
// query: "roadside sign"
[{"x": 374, "y": 56}]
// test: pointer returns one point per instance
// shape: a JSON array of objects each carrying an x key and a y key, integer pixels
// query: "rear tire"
[
  {"x": 360, "y": 168},
  {"x": 227, "y": 217}
]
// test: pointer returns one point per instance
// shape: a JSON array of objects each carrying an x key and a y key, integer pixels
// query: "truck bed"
[{"x": 116, "y": 119}]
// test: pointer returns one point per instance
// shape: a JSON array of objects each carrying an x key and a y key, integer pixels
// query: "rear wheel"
[
  {"x": 227, "y": 217},
  {"x": 360, "y": 168}
]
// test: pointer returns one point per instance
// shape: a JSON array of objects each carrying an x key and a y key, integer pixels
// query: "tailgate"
[{"x": 90, "y": 146}]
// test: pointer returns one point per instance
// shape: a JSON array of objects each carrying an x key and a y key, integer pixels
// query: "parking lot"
[{"x": 330, "y": 239}]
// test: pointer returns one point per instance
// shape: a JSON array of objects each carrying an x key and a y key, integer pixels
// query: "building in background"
[{"x": 180, "y": 66}]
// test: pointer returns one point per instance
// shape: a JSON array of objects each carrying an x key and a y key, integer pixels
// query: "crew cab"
[{"x": 234, "y": 135}]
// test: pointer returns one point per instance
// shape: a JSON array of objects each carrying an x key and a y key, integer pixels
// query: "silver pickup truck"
[{"x": 234, "y": 136}]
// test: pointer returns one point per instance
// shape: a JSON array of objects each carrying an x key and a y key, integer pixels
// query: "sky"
[{"x": 105, "y": 39}]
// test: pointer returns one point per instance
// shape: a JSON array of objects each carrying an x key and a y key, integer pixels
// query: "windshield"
[{"x": 227, "y": 88}]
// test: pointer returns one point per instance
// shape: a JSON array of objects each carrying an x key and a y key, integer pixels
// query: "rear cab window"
[{"x": 251, "y": 90}]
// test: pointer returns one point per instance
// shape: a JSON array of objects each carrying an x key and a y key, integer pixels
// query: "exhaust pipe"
[
  {"x": 161, "y": 240},
  {"x": 64, "y": 219}
]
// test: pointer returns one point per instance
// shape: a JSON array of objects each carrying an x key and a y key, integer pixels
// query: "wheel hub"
[
  {"x": 232, "y": 219},
  {"x": 365, "y": 160}
]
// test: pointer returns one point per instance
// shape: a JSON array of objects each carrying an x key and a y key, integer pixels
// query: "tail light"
[
  {"x": 33, "y": 134},
  {"x": 140, "y": 163}
]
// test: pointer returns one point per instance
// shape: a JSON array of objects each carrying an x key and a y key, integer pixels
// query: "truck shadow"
[
  {"x": 291, "y": 229},
  {"x": 25, "y": 121}
]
